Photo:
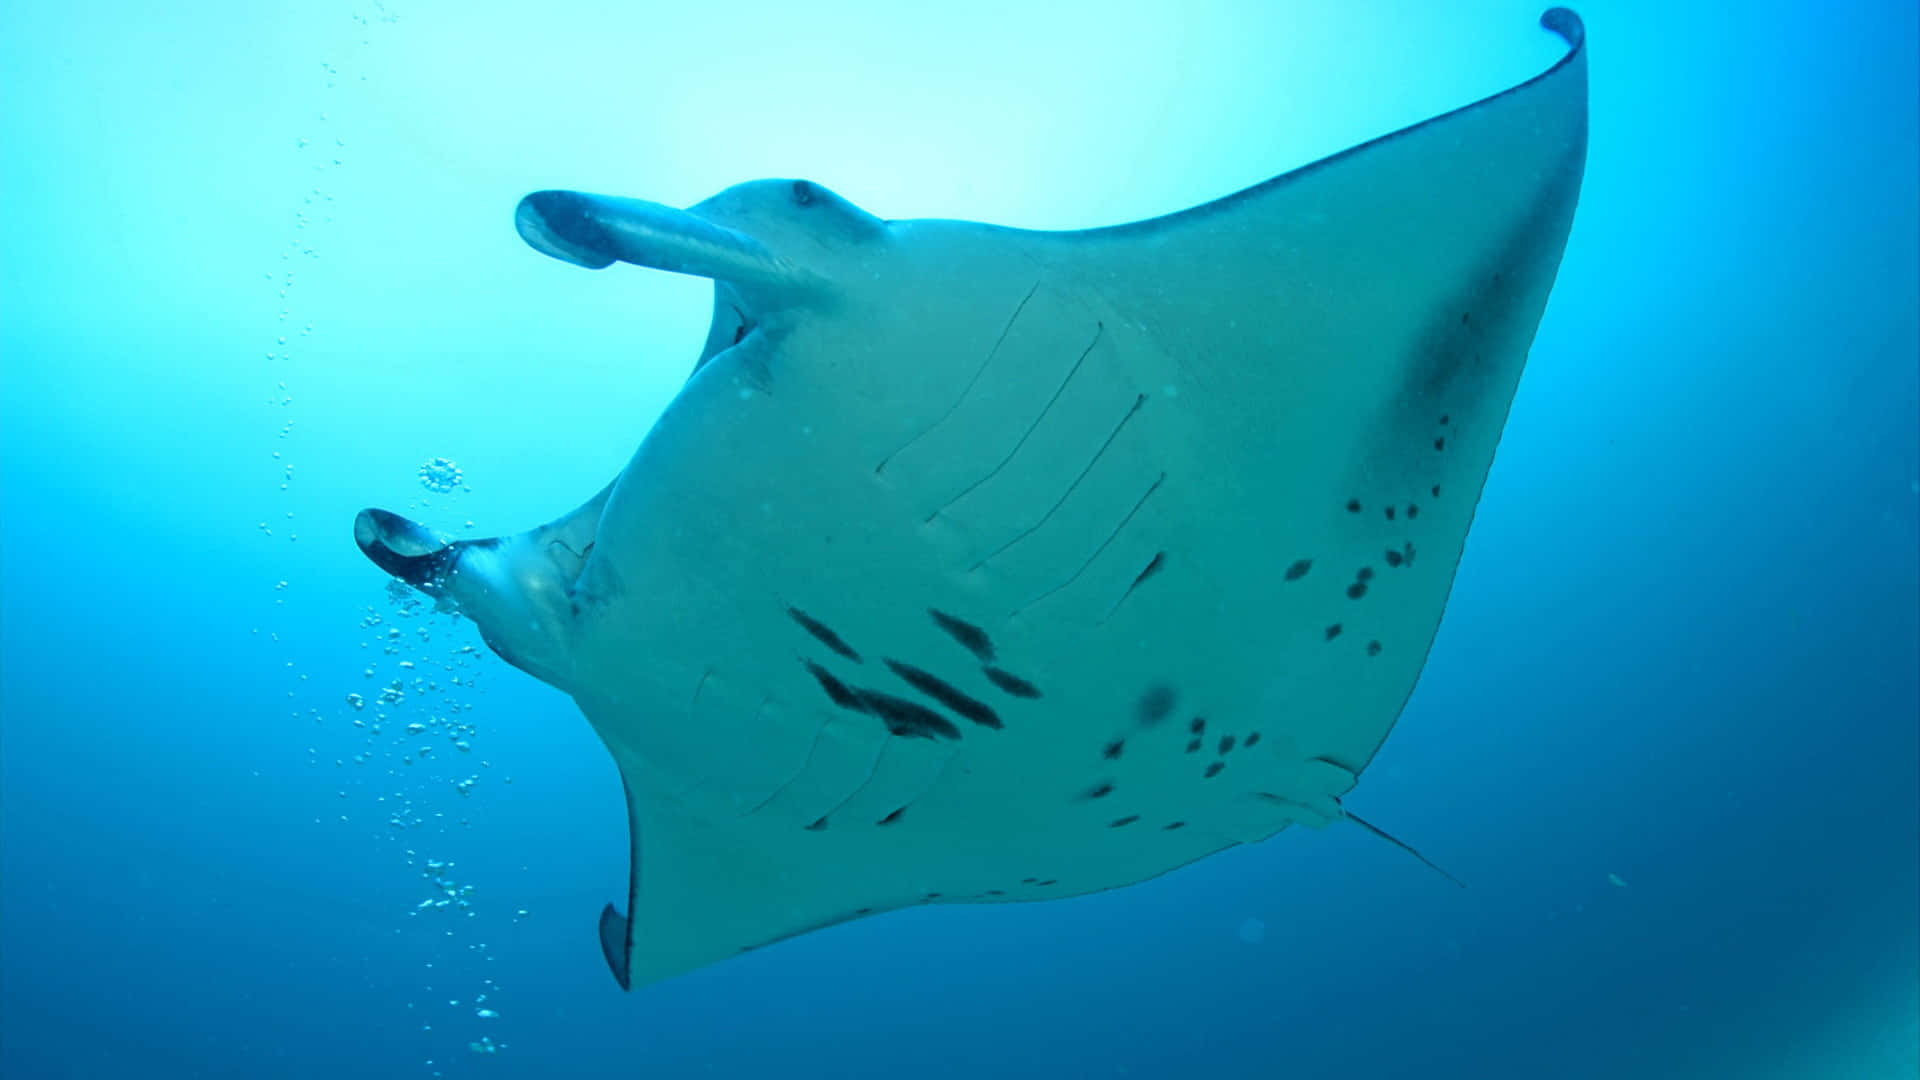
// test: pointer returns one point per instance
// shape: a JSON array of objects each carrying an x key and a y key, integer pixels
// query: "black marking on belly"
[
  {"x": 1198, "y": 725},
  {"x": 1153, "y": 567},
  {"x": 1353, "y": 506},
  {"x": 1213, "y": 770},
  {"x": 974, "y": 639},
  {"x": 1172, "y": 825},
  {"x": 1413, "y": 511},
  {"x": 1047, "y": 882},
  {"x": 1113, "y": 749},
  {"x": 1444, "y": 418},
  {"x": 1299, "y": 569},
  {"x": 891, "y": 818},
  {"x": 1011, "y": 683},
  {"x": 996, "y": 892},
  {"x": 907, "y": 718},
  {"x": 1193, "y": 746},
  {"x": 1356, "y": 590},
  {"x": 946, "y": 694},
  {"x": 819, "y": 825},
  {"x": 1365, "y": 573},
  {"x": 1252, "y": 738},
  {"x": 1100, "y": 790},
  {"x": 1128, "y": 820},
  {"x": 1389, "y": 513},
  {"x": 1373, "y": 648},
  {"x": 823, "y": 634},
  {"x": 840, "y": 693},
  {"x": 1333, "y": 631},
  {"x": 1435, "y": 490},
  {"x": 1440, "y": 443},
  {"x": 1226, "y": 743},
  {"x": 1154, "y": 705}
]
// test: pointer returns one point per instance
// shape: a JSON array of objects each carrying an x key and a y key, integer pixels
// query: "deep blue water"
[{"x": 1667, "y": 734}]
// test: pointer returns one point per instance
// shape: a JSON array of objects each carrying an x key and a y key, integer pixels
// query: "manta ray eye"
[{"x": 802, "y": 193}]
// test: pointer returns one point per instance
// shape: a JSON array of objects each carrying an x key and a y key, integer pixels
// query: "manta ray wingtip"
[
  {"x": 613, "y": 945},
  {"x": 1565, "y": 22}
]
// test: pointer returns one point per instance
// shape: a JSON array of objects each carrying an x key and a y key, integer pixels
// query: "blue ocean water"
[{"x": 260, "y": 267}]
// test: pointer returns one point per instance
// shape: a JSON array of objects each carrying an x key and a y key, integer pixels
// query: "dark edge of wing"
[{"x": 616, "y": 930}]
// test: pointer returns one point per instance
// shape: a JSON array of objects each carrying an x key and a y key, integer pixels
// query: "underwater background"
[{"x": 259, "y": 271}]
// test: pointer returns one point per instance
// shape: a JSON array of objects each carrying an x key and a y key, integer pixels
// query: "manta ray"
[{"x": 977, "y": 564}]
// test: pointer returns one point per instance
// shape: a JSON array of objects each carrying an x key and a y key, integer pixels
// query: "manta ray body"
[{"x": 975, "y": 564}]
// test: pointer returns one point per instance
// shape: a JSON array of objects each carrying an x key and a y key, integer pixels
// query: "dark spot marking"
[
  {"x": 1213, "y": 770},
  {"x": 1356, "y": 590},
  {"x": 1440, "y": 443},
  {"x": 1047, "y": 882},
  {"x": 1226, "y": 743},
  {"x": 1128, "y": 820},
  {"x": 1198, "y": 725},
  {"x": 1011, "y": 683},
  {"x": 946, "y": 694},
  {"x": 995, "y": 892},
  {"x": 1154, "y": 705},
  {"x": 823, "y": 634},
  {"x": 862, "y": 911},
  {"x": 819, "y": 825},
  {"x": 1029, "y": 881},
  {"x": 1252, "y": 738},
  {"x": 1333, "y": 631},
  {"x": 1435, "y": 489},
  {"x": 1100, "y": 790},
  {"x": 930, "y": 896},
  {"x": 1463, "y": 318},
  {"x": 908, "y": 718},
  {"x": 1353, "y": 506},
  {"x": 1172, "y": 825},
  {"x": 1299, "y": 569},
  {"x": 1112, "y": 752},
  {"x": 1407, "y": 550},
  {"x": 802, "y": 193},
  {"x": 1394, "y": 558},
  {"x": 1444, "y": 418},
  {"x": 1373, "y": 648},
  {"x": 1152, "y": 568},
  {"x": 971, "y": 637},
  {"x": 1389, "y": 513},
  {"x": 1365, "y": 573},
  {"x": 891, "y": 818},
  {"x": 840, "y": 693},
  {"x": 1412, "y": 511},
  {"x": 1193, "y": 746}
]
